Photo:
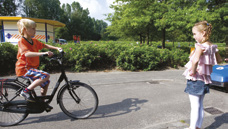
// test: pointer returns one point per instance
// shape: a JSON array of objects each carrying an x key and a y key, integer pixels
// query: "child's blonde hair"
[
  {"x": 25, "y": 23},
  {"x": 204, "y": 26}
]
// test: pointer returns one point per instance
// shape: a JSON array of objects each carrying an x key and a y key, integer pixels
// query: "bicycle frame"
[{"x": 61, "y": 78}]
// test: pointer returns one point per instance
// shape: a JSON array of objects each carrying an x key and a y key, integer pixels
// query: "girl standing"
[{"x": 198, "y": 71}]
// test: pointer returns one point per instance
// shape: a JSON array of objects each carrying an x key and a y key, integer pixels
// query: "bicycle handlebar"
[
  {"x": 58, "y": 56},
  {"x": 60, "y": 51},
  {"x": 44, "y": 55}
]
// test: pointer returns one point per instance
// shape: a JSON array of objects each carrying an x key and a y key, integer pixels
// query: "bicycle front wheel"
[
  {"x": 78, "y": 101},
  {"x": 8, "y": 118}
]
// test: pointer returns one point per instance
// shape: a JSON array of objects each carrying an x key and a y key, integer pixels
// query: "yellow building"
[{"x": 44, "y": 30}]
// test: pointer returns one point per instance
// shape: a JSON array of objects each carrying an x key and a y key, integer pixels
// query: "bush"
[
  {"x": 105, "y": 55},
  {"x": 8, "y": 58},
  {"x": 139, "y": 58},
  {"x": 222, "y": 52},
  {"x": 177, "y": 57}
]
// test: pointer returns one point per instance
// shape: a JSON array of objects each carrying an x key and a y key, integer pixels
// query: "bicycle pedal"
[{"x": 48, "y": 109}]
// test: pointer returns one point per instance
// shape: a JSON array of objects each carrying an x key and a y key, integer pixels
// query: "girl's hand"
[
  {"x": 191, "y": 73},
  {"x": 226, "y": 59}
]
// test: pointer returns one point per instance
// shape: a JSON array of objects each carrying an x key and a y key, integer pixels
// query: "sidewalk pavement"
[
  {"x": 215, "y": 102},
  {"x": 135, "y": 100}
]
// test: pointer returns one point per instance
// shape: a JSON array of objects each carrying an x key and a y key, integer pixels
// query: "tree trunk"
[
  {"x": 148, "y": 35},
  {"x": 226, "y": 40},
  {"x": 140, "y": 38},
  {"x": 163, "y": 38}
]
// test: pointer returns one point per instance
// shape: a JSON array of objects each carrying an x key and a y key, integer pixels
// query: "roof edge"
[{"x": 16, "y": 18}]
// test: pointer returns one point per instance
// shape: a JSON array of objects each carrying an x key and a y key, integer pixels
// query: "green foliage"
[
  {"x": 90, "y": 55},
  {"x": 78, "y": 22},
  {"x": 8, "y": 7},
  {"x": 102, "y": 55},
  {"x": 45, "y": 9},
  {"x": 124, "y": 55},
  {"x": 177, "y": 57},
  {"x": 138, "y": 20},
  {"x": 160, "y": 20},
  {"x": 222, "y": 52},
  {"x": 139, "y": 58},
  {"x": 8, "y": 54},
  {"x": 77, "y": 19}
]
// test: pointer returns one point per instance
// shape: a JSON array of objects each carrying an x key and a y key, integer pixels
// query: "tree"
[
  {"x": 78, "y": 22},
  {"x": 8, "y": 7},
  {"x": 148, "y": 18},
  {"x": 131, "y": 18},
  {"x": 145, "y": 18},
  {"x": 62, "y": 32},
  {"x": 46, "y": 9},
  {"x": 218, "y": 9}
]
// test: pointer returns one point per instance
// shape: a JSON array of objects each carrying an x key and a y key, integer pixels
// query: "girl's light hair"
[
  {"x": 204, "y": 26},
  {"x": 25, "y": 23}
]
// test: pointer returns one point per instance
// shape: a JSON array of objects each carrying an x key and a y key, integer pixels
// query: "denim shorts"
[
  {"x": 35, "y": 74},
  {"x": 196, "y": 87}
]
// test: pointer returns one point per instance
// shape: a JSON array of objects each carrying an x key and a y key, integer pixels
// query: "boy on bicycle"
[{"x": 28, "y": 58}]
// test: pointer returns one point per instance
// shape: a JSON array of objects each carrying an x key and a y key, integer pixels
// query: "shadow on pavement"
[
  {"x": 110, "y": 110},
  {"x": 120, "y": 108},
  {"x": 219, "y": 120}
]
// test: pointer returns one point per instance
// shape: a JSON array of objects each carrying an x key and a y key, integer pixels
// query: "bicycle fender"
[
  {"x": 60, "y": 92},
  {"x": 71, "y": 82}
]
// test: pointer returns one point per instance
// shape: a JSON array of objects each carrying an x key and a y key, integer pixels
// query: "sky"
[{"x": 97, "y": 8}]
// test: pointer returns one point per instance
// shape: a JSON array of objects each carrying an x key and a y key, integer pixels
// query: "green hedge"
[
  {"x": 8, "y": 53},
  {"x": 105, "y": 55}
]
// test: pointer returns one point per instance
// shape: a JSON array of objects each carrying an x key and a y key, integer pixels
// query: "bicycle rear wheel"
[
  {"x": 7, "y": 118},
  {"x": 78, "y": 101}
]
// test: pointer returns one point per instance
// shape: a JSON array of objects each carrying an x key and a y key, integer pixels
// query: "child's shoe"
[{"x": 27, "y": 96}]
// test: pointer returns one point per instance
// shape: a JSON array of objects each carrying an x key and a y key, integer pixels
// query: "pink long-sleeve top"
[{"x": 206, "y": 61}]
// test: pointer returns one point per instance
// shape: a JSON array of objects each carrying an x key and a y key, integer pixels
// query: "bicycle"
[{"x": 76, "y": 99}]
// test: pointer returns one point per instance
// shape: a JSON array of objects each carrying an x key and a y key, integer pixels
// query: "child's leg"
[
  {"x": 37, "y": 82},
  {"x": 39, "y": 77},
  {"x": 195, "y": 106},
  {"x": 201, "y": 112},
  {"x": 44, "y": 88}
]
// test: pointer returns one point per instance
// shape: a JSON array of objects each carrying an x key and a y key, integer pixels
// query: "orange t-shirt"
[{"x": 25, "y": 63}]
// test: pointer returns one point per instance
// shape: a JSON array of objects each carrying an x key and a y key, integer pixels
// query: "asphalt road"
[{"x": 134, "y": 100}]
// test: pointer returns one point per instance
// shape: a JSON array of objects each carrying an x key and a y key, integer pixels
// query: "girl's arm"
[
  {"x": 192, "y": 53},
  {"x": 218, "y": 58},
  {"x": 195, "y": 60}
]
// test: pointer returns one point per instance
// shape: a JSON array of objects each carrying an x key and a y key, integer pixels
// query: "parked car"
[{"x": 62, "y": 41}]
